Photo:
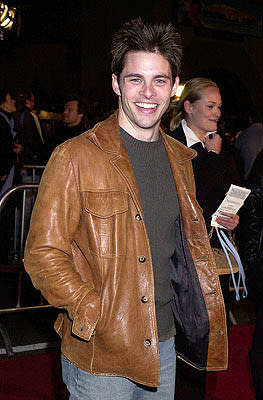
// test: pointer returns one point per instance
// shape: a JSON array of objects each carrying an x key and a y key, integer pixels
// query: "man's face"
[
  {"x": 71, "y": 117},
  {"x": 30, "y": 103},
  {"x": 9, "y": 105},
  {"x": 145, "y": 88}
]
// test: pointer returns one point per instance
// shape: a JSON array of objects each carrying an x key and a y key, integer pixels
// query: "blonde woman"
[{"x": 194, "y": 123}]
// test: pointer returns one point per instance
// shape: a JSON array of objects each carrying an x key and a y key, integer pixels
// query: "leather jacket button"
[
  {"x": 142, "y": 259},
  {"x": 138, "y": 217},
  {"x": 147, "y": 343},
  {"x": 144, "y": 299}
]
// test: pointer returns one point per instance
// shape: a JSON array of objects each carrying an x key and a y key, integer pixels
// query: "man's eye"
[
  {"x": 135, "y": 80},
  {"x": 160, "y": 81}
]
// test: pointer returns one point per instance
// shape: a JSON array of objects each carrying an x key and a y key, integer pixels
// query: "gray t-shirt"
[{"x": 160, "y": 206}]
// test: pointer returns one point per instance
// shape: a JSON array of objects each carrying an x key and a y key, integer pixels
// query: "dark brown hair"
[
  {"x": 22, "y": 95},
  {"x": 135, "y": 35},
  {"x": 3, "y": 93},
  {"x": 81, "y": 100}
]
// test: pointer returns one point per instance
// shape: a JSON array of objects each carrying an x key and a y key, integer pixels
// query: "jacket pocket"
[{"x": 106, "y": 219}]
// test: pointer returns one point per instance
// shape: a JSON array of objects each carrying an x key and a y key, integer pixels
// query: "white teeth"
[{"x": 146, "y": 105}]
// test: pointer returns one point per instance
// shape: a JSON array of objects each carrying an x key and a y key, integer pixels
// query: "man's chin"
[{"x": 148, "y": 124}]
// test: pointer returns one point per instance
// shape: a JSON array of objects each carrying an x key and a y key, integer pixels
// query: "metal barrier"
[
  {"x": 34, "y": 168},
  {"x": 25, "y": 197},
  {"x": 22, "y": 211}
]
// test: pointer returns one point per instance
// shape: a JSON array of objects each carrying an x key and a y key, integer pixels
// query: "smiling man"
[
  {"x": 118, "y": 240},
  {"x": 145, "y": 87}
]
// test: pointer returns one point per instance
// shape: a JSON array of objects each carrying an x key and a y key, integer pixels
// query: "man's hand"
[
  {"x": 230, "y": 221},
  {"x": 213, "y": 142}
]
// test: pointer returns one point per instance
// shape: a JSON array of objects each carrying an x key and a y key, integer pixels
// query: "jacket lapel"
[
  {"x": 106, "y": 135},
  {"x": 123, "y": 166},
  {"x": 179, "y": 158}
]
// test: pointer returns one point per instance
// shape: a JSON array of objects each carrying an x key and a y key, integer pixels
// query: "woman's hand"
[
  {"x": 230, "y": 221},
  {"x": 213, "y": 142}
]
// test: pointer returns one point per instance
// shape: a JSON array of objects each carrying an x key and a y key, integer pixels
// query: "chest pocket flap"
[
  {"x": 106, "y": 204},
  {"x": 105, "y": 222}
]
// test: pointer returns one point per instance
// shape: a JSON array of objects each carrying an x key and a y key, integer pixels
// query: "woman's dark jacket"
[{"x": 214, "y": 173}]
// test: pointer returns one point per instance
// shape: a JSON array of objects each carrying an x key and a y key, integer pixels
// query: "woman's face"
[{"x": 202, "y": 116}]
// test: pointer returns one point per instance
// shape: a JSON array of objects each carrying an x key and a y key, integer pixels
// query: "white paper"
[{"x": 233, "y": 201}]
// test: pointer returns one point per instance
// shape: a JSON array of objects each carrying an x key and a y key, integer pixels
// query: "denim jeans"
[{"x": 85, "y": 386}]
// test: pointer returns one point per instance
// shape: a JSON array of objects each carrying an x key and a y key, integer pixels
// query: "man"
[
  {"x": 110, "y": 236},
  {"x": 9, "y": 148},
  {"x": 248, "y": 145},
  {"x": 29, "y": 129},
  {"x": 9, "y": 155},
  {"x": 73, "y": 123}
]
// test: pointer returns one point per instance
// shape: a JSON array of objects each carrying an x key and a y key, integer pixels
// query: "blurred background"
[{"x": 61, "y": 45}]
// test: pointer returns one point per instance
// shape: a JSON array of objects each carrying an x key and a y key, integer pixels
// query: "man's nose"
[{"x": 148, "y": 90}]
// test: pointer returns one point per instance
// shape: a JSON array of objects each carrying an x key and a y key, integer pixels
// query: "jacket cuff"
[{"x": 86, "y": 316}]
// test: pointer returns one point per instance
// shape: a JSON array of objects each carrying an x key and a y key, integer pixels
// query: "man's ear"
[
  {"x": 115, "y": 85},
  {"x": 188, "y": 107}
]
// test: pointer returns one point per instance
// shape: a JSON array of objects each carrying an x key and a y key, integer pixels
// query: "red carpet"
[
  {"x": 32, "y": 377},
  {"x": 38, "y": 377},
  {"x": 236, "y": 382}
]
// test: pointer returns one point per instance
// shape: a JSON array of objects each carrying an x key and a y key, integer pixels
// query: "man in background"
[
  {"x": 10, "y": 151},
  {"x": 73, "y": 122},
  {"x": 29, "y": 129}
]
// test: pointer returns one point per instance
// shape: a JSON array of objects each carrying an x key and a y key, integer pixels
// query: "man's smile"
[{"x": 146, "y": 105}]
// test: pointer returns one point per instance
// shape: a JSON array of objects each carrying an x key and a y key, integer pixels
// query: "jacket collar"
[{"x": 106, "y": 135}]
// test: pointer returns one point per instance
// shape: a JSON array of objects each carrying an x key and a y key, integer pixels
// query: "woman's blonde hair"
[{"x": 191, "y": 92}]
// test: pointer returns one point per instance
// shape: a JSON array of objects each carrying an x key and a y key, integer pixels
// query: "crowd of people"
[
  {"x": 28, "y": 140},
  {"x": 121, "y": 232}
]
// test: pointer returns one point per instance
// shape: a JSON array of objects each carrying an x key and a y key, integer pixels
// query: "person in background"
[
  {"x": 10, "y": 149},
  {"x": 29, "y": 129},
  {"x": 247, "y": 146},
  {"x": 10, "y": 152},
  {"x": 194, "y": 123},
  {"x": 118, "y": 240},
  {"x": 74, "y": 120},
  {"x": 250, "y": 246}
]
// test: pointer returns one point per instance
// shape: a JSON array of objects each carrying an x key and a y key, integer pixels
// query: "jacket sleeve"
[
  {"x": 249, "y": 240},
  {"x": 210, "y": 170},
  {"x": 251, "y": 223},
  {"x": 48, "y": 251}
]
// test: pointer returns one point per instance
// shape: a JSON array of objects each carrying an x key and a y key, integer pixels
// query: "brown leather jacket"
[{"x": 88, "y": 252}]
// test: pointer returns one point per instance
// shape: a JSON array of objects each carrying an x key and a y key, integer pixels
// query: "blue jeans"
[{"x": 85, "y": 386}]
